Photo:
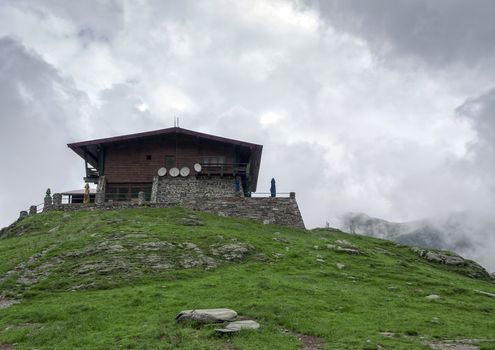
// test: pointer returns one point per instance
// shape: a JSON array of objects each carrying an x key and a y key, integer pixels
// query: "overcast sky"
[{"x": 383, "y": 107}]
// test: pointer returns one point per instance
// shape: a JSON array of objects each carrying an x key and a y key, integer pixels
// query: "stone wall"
[
  {"x": 177, "y": 189},
  {"x": 278, "y": 211}
]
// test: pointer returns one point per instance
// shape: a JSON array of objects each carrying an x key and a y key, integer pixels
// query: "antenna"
[{"x": 176, "y": 122}]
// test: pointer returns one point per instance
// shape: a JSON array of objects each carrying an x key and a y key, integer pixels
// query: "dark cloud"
[
  {"x": 437, "y": 32},
  {"x": 40, "y": 111}
]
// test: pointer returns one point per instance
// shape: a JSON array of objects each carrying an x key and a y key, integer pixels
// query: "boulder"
[
  {"x": 344, "y": 243},
  {"x": 485, "y": 293},
  {"x": 454, "y": 260},
  {"x": 238, "y": 326},
  {"x": 232, "y": 251},
  {"x": 190, "y": 220},
  {"x": 347, "y": 250},
  {"x": 205, "y": 316},
  {"x": 433, "y": 256},
  {"x": 432, "y": 297}
]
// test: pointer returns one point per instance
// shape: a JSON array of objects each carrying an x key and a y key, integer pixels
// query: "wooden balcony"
[{"x": 225, "y": 169}]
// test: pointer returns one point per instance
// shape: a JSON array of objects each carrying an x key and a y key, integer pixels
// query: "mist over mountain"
[{"x": 466, "y": 233}]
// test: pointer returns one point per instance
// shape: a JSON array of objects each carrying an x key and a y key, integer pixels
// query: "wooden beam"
[{"x": 91, "y": 155}]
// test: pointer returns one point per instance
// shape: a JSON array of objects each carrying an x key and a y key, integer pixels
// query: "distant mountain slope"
[
  {"x": 116, "y": 280},
  {"x": 464, "y": 233}
]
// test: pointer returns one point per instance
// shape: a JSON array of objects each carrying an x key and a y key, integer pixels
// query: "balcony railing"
[{"x": 224, "y": 169}]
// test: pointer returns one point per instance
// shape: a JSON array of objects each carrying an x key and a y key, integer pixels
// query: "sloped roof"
[{"x": 147, "y": 134}]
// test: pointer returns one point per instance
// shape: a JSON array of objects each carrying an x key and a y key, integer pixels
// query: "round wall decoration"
[
  {"x": 197, "y": 167},
  {"x": 185, "y": 171},
  {"x": 162, "y": 171},
  {"x": 174, "y": 172}
]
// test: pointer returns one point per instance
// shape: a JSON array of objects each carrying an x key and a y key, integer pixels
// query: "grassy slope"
[{"x": 134, "y": 308}]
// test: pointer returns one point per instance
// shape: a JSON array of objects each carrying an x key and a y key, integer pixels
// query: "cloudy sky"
[{"x": 383, "y": 107}]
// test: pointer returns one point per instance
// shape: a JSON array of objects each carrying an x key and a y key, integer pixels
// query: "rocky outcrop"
[{"x": 457, "y": 262}]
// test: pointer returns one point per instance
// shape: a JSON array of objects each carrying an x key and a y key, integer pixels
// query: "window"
[
  {"x": 213, "y": 160},
  {"x": 127, "y": 192}
]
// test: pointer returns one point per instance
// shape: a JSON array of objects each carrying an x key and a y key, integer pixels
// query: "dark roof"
[
  {"x": 142, "y": 135},
  {"x": 91, "y": 147}
]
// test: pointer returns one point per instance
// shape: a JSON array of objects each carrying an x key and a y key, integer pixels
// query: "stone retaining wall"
[
  {"x": 170, "y": 189},
  {"x": 278, "y": 211}
]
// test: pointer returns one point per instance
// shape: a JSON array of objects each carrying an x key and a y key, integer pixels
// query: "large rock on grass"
[
  {"x": 238, "y": 326},
  {"x": 232, "y": 251},
  {"x": 456, "y": 262},
  {"x": 205, "y": 316}
]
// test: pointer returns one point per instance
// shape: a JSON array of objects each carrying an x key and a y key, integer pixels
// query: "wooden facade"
[{"x": 130, "y": 162}]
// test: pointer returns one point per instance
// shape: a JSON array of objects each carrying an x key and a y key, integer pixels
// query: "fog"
[{"x": 382, "y": 107}]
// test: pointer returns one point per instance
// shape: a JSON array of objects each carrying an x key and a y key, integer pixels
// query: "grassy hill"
[{"x": 116, "y": 279}]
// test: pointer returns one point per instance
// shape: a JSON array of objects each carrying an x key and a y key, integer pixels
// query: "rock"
[
  {"x": 205, "y": 316},
  {"x": 433, "y": 256},
  {"x": 278, "y": 255},
  {"x": 188, "y": 245},
  {"x": 153, "y": 246},
  {"x": 435, "y": 320},
  {"x": 387, "y": 334},
  {"x": 461, "y": 265},
  {"x": 238, "y": 326},
  {"x": 432, "y": 297},
  {"x": 344, "y": 243},
  {"x": 348, "y": 250},
  {"x": 454, "y": 260},
  {"x": 320, "y": 260},
  {"x": 198, "y": 261},
  {"x": 485, "y": 293},
  {"x": 5, "y": 303},
  {"x": 232, "y": 251},
  {"x": 190, "y": 221},
  {"x": 102, "y": 267},
  {"x": 343, "y": 246},
  {"x": 279, "y": 239},
  {"x": 340, "y": 266}
]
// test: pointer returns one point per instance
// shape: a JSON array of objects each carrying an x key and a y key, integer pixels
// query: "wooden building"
[{"x": 170, "y": 158}]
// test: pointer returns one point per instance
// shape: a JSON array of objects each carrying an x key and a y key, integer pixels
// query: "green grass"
[{"x": 132, "y": 306}]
